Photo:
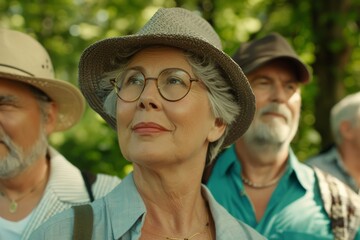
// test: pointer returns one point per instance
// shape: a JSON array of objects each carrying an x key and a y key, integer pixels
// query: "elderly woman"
[{"x": 175, "y": 99}]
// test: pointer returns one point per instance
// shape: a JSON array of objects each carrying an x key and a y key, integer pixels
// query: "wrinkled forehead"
[
  {"x": 281, "y": 64},
  {"x": 18, "y": 88},
  {"x": 159, "y": 57},
  {"x": 275, "y": 70}
]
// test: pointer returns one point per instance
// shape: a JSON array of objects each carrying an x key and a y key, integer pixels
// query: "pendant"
[{"x": 13, "y": 206}]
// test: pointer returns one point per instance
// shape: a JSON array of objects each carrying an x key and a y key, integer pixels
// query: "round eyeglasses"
[{"x": 173, "y": 84}]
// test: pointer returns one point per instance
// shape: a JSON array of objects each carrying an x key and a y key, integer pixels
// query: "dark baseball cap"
[{"x": 256, "y": 53}]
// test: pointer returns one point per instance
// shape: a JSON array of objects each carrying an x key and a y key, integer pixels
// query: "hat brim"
[
  {"x": 302, "y": 72},
  {"x": 97, "y": 58},
  {"x": 71, "y": 104}
]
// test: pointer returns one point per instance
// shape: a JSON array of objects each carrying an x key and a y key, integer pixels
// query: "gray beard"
[
  {"x": 16, "y": 161},
  {"x": 268, "y": 137}
]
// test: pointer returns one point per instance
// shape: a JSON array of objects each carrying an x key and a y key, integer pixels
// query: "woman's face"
[{"x": 155, "y": 132}]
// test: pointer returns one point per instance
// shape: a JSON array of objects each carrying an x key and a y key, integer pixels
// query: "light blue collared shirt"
[
  {"x": 295, "y": 209},
  {"x": 120, "y": 215}
]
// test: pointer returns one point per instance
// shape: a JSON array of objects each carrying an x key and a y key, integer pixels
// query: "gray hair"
[
  {"x": 348, "y": 109},
  {"x": 43, "y": 100},
  {"x": 222, "y": 102}
]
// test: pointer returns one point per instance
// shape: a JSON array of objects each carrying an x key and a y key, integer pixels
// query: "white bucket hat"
[{"x": 23, "y": 59}]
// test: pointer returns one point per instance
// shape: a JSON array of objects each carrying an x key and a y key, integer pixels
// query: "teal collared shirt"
[
  {"x": 121, "y": 215},
  {"x": 295, "y": 209}
]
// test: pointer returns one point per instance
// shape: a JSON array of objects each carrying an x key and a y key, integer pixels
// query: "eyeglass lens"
[{"x": 173, "y": 84}]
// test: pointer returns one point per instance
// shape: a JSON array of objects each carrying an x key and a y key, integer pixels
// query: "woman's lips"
[{"x": 149, "y": 127}]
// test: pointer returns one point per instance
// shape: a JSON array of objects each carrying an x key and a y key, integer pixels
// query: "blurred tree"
[
  {"x": 324, "y": 33},
  {"x": 333, "y": 56}
]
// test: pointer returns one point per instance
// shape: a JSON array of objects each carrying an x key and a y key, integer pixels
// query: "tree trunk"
[{"x": 332, "y": 52}]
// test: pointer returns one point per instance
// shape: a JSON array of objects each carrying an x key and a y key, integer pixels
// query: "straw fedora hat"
[
  {"x": 23, "y": 59},
  {"x": 174, "y": 27},
  {"x": 256, "y": 53}
]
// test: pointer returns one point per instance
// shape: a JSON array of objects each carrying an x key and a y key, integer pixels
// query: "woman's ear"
[{"x": 217, "y": 130}]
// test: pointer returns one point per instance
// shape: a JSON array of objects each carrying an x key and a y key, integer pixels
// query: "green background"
[{"x": 325, "y": 33}]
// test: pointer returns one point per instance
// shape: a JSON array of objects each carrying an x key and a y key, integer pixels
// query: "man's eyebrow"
[
  {"x": 292, "y": 81},
  {"x": 8, "y": 99},
  {"x": 262, "y": 76}
]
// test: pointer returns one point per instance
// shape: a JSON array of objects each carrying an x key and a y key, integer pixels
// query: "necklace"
[
  {"x": 15, "y": 202},
  {"x": 256, "y": 185},
  {"x": 192, "y": 236},
  {"x": 206, "y": 229}
]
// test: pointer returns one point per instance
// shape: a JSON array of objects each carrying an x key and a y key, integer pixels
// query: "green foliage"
[{"x": 67, "y": 27}]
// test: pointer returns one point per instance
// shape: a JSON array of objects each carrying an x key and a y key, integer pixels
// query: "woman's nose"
[{"x": 149, "y": 97}]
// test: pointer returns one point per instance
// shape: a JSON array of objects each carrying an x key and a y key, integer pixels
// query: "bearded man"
[
  {"x": 36, "y": 181},
  {"x": 259, "y": 180}
]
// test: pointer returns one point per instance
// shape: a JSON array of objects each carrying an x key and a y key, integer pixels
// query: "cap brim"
[
  {"x": 97, "y": 59},
  {"x": 302, "y": 71},
  {"x": 71, "y": 104}
]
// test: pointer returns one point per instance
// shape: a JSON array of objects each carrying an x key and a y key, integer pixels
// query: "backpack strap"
[
  {"x": 89, "y": 179},
  {"x": 341, "y": 204},
  {"x": 83, "y": 222}
]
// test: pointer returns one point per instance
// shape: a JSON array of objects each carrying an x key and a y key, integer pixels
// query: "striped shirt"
[{"x": 64, "y": 189}]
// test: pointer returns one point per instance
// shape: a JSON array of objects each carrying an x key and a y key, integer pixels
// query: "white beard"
[
  {"x": 16, "y": 161},
  {"x": 274, "y": 132}
]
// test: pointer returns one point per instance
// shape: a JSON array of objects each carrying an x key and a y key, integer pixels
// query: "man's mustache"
[
  {"x": 6, "y": 140},
  {"x": 278, "y": 109}
]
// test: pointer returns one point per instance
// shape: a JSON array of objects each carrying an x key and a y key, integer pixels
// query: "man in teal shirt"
[{"x": 259, "y": 180}]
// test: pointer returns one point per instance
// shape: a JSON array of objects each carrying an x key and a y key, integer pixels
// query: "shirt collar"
[
  {"x": 339, "y": 161},
  {"x": 124, "y": 206},
  {"x": 227, "y": 227},
  {"x": 295, "y": 168},
  {"x": 65, "y": 180},
  {"x": 230, "y": 163}
]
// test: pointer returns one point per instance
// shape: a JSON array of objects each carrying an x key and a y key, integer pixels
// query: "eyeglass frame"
[{"x": 113, "y": 82}]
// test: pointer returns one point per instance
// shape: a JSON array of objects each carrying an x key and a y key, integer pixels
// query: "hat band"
[{"x": 26, "y": 72}]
